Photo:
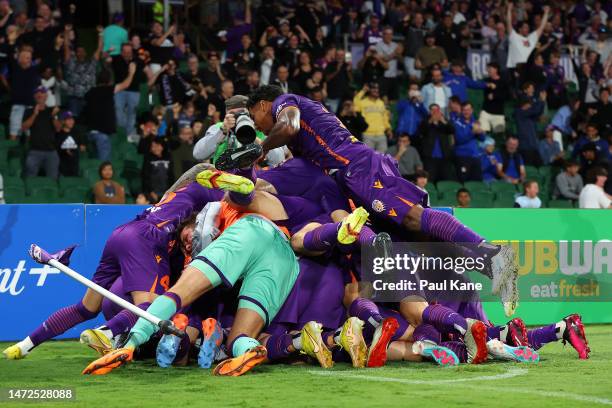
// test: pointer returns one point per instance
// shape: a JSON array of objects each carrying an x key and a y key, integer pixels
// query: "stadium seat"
[
  {"x": 68, "y": 183},
  {"x": 532, "y": 173},
  {"x": 15, "y": 167},
  {"x": 482, "y": 199},
  {"x": 38, "y": 183},
  {"x": 77, "y": 194},
  {"x": 431, "y": 189},
  {"x": 501, "y": 186},
  {"x": 15, "y": 182},
  {"x": 474, "y": 186},
  {"x": 501, "y": 204},
  {"x": 505, "y": 198},
  {"x": 448, "y": 185},
  {"x": 85, "y": 163},
  {"x": 14, "y": 195},
  {"x": 560, "y": 204},
  {"x": 41, "y": 195}
]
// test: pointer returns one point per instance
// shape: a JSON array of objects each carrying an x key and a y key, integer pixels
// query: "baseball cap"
[
  {"x": 40, "y": 89},
  {"x": 489, "y": 141},
  {"x": 236, "y": 101},
  {"x": 66, "y": 115}
]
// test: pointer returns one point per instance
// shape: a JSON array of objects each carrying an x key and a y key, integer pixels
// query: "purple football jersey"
[
  {"x": 179, "y": 205},
  {"x": 322, "y": 138}
]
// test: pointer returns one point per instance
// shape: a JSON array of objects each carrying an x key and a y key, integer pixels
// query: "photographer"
[{"x": 223, "y": 135}]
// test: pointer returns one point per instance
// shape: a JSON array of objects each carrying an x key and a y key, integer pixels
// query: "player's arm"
[{"x": 286, "y": 127}]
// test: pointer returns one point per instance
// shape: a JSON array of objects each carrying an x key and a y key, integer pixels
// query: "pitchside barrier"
[{"x": 29, "y": 292}]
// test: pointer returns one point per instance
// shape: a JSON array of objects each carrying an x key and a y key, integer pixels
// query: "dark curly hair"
[{"x": 264, "y": 93}]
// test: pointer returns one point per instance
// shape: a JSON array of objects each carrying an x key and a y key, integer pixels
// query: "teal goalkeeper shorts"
[{"x": 254, "y": 250}]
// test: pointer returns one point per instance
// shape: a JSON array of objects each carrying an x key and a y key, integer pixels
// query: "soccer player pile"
[{"x": 263, "y": 265}]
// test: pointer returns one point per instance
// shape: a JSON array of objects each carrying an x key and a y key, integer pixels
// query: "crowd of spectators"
[{"x": 395, "y": 73}]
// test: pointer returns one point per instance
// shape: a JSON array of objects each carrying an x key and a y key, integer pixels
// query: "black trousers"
[
  {"x": 439, "y": 169},
  {"x": 468, "y": 169}
]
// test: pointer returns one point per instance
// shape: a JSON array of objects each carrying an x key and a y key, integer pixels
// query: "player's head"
[
  {"x": 185, "y": 234},
  {"x": 260, "y": 106}
]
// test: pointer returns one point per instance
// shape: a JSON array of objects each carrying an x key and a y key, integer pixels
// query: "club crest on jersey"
[
  {"x": 279, "y": 108},
  {"x": 378, "y": 206}
]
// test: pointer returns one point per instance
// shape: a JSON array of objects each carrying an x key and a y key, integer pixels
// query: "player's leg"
[
  {"x": 569, "y": 329},
  {"x": 240, "y": 188},
  {"x": 445, "y": 320},
  {"x": 66, "y": 318}
]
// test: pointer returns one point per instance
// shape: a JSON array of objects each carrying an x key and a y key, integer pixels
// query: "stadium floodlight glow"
[{"x": 41, "y": 256}]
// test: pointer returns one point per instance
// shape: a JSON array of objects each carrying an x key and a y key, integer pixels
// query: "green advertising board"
[{"x": 563, "y": 254}]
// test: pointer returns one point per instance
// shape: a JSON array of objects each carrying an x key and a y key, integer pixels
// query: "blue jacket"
[
  {"x": 460, "y": 83},
  {"x": 465, "y": 139},
  {"x": 409, "y": 116},
  {"x": 488, "y": 162},
  {"x": 526, "y": 120},
  {"x": 603, "y": 148}
]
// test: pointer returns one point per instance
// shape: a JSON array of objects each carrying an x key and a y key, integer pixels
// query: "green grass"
[{"x": 559, "y": 380}]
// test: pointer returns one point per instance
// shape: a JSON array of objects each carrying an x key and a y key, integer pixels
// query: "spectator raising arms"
[{"x": 372, "y": 107}]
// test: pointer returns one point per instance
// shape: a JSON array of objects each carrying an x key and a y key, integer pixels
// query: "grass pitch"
[{"x": 559, "y": 380}]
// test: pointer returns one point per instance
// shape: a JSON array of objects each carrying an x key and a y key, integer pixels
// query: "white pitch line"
[
  {"x": 513, "y": 372},
  {"x": 460, "y": 382}
]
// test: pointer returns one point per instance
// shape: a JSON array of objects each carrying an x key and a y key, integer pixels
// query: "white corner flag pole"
[{"x": 165, "y": 325}]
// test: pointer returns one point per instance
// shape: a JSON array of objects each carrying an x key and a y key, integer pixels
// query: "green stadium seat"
[
  {"x": 14, "y": 195},
  {"x": 448, "y": 185},
  {"x": 532, "y": 173},
  {"x": 85, "y": 163},
  {"x": 37, "y": 183},
  {"x": 77, "y": 194},
  {"x": 15, "y": 182},
  {"x": 68, "y": 183},
  {"x": 3, "y": 159},
  {"x": 501, "y": 186},
  {"x": 506, "y": 198},
  {"x": 42, "y": 195},
  {"x": 431, "y": 189},
  {"x": 15, "y": 167},
  {"x": 482, "y": 199},
  {"x": 560, "y": 204},
  {"x": 501, "y": 204},
  {"x": 448, "y": 196},
  {"x": 474, "y": 186}
]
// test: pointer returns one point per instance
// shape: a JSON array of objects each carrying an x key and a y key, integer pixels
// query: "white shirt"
[
  {"x": 266, "y": 71},
  {"x": 387, "y": 50},
  {"x": 519, "y": 48},
  {"x": 593, "y": 196},
  {"x": 440, "y": 97},
  {"x": 526, "y": 202}
]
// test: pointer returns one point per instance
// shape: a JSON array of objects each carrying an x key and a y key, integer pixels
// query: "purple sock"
[
  {"x": 367, "y": 311},
  {"x": 175, "y": 297},
  {"x": 444, "y": 319},
  {"x": 458, "y": 348},
  {"x": 322, "y": 238},
  {"x": 442, "y": 225},
  {"x": 366, "y": 238},
  {"x": 61, "y": 321},
  {"x": 241, "y": 199},
  {"x": 426, "y": 332},
  {"x": 124, "y": 320},
  {"x": 542, "y": 335},
  {"x": 278, "y": 346},
  {"x": 494, "y": 332}
]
